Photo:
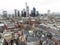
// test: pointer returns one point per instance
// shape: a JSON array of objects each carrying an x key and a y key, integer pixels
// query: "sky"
[{"x": 41, "y": 5}]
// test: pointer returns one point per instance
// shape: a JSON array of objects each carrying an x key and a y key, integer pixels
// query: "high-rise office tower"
[
  {"x": 37, "y": 13},
  {"x": 17, "y": 13},
  {"x": 23, "y": 13},
  {"x": 4, "y": 14},
  {"x": 48, "y": 12},
  {"x": 33, "y": 12},
  {"x": 27, "y": 10}
]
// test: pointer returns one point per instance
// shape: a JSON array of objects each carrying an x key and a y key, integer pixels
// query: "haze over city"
[
  {"x": 41, "y": 5},
  {"x": 29, "y": 22}
]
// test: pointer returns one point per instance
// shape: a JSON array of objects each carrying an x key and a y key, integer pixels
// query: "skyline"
[{"x": 41, "y": 5}]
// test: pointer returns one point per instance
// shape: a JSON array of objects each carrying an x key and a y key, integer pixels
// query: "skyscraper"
[
  {"x": 23, "y": 13},
  {"x": 4, "y": 14},
  {"x": 27, "y": 10},
  {"x": 17, "y": 13},
  {"x": 33, "y": 12},
  {"x": 37, "y": 13},
  {"x": 48, "y": 12}
]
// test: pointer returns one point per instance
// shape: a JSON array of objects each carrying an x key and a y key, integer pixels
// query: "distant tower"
[
  {"x": 4, "y": 14},
  {"x": 23, "y": 13},
  {"x": 37, "y": 13},
  {"x": 17, "y": 13},
  {"x": 33, "y": 12},
  {"x": 27, "y": 10},
  {"x": 48, "y": 12}
]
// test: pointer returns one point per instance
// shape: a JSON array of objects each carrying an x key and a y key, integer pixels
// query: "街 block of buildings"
[{"x": 24, "y": 28}]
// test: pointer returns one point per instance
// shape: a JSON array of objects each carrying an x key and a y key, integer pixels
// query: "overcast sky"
[{"x": 41, "y": 5}]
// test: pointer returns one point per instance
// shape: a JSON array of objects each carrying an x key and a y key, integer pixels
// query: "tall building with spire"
[{"x": 27, "y": 10}]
